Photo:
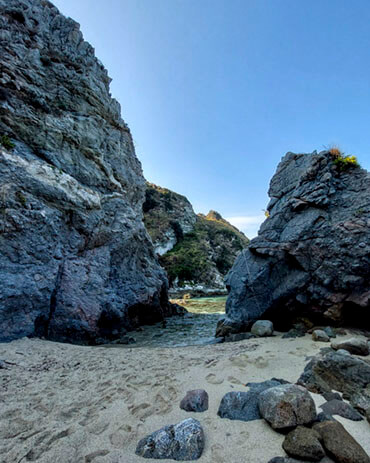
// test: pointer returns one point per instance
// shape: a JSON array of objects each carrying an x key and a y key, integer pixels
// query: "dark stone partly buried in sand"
[
  {"x": 311, "y": 256},
  {"x": 182, "y": 442},
  {"x": 354, "y": 346},
  {"x": 287, "y": 406},
  {"x": 343, "y": 373},
  {"x": 338, "y": 407},
  {"x": 195, "y": 401},
  {"x": 304, "y": 443},
  {"x": 339, "y": 444},
  {"x": 243, "y": 406}
]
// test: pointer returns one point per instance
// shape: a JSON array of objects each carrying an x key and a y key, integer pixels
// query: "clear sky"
[{"x": 217, "y": 91}]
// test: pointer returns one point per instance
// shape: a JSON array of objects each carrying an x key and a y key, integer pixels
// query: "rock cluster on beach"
[
  {"x": 76, "y": 263},
  {"x": 311, "y": 257},
  {"x": 287, "y": 408}
]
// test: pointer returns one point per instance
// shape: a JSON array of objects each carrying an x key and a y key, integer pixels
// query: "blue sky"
[{"x": 217, "y": 91}]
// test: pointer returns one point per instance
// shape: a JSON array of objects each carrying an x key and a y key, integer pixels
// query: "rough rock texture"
[
  {"x": 353, "y": 346},
  {"x": 183, "y": 441},
  {"x": 168, "y": 216},
  {"x": 262, "y": 328},
  {"x": 343, "y": 373},
  {"x": 320, "y": 335},
  {"x": 195, "y": 401},
  {"x": 286, "y": 406},
  {"x": 304, "y": 443},
  {"x": 243, "y": 406},
  {"x": 312, "y": 254},
  {"x": 339, "y": 444},
  {"x": 341, "y": 408},
  {"x": 196, "y": 259},
  {"x": 76, "y": 263}
]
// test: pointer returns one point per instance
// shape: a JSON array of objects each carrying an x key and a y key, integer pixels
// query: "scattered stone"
[
  {"x": 368, "y": 415},
  {"x": 355, "y": 346},
  {"x": 330, "y": 332},
  {"x": 340, "y": 444},
  {"x": 304, "y": 443},
  {"x": 244, "y": 405},
  {"x": 320, "y": 335},
  {"x": 332, "y": 396},
  {"x": 287, "y": 406},
  {"x": 195, "y": 401},
  {"x": 262, "y": 328},
  {"x": 182, "y": 442},
  {"x": 338, "y": 407}
]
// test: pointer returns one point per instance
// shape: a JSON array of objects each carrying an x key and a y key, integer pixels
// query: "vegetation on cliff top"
[{"x": 213, "y": 243}]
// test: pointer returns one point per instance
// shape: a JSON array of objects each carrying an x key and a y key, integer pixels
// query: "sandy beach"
[{"x": 63, "y": 403}]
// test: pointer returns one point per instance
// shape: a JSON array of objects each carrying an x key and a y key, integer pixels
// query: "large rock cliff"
[
  {"x": 312, "y": 255},
  {"x": 76, "y": 263},
  {"x": 196, "y": 250}
]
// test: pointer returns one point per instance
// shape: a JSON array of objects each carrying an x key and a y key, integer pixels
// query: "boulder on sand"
[
  {"x": 183, "y": 442},
  {"x": 287, "y": 406}
]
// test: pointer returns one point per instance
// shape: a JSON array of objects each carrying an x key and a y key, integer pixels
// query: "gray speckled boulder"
[
  {"x": 195, "y": 401},
  {"x": 356, "y": 346},
  {"x": 311, "y": 256},
  {"x": 341, "y": 408},
  {"x": 239, "y": 405},
  {"x": 320, "y": 335},
  {"x": 182, "y": 442},
  {"x": 287, "y": 406},
  {"x": 262, "y": 328},
  {"x": 76, "y": 263}
]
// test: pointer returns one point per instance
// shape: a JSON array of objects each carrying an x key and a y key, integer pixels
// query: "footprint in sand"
[
  {"x": 234, "y": 380},
  {"x": 240, "y": 361},
  {"x": 213, "y": 379},
  {"x": 217, "y": 452},
  {"x": 261, "y": 362},
  {"x": 243, "y": 438}
]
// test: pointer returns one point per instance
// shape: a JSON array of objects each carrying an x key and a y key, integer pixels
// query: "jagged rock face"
[
  {"x": 168, "y": 216},
  {"x": 76, "y": 263},
  {"x": 312, "y": 255},
  {"x": 196, "y": 250}
]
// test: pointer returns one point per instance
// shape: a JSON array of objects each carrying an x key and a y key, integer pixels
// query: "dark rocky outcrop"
[
  {"x": 312, "y": 254},
  {"x": 76, "y": 262},
  {"x": 182, "y": 442},
  {"x": 196, "y": 250}
]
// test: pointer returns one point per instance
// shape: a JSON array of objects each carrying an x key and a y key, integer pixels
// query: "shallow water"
[{"x": 195, "y": 328}]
